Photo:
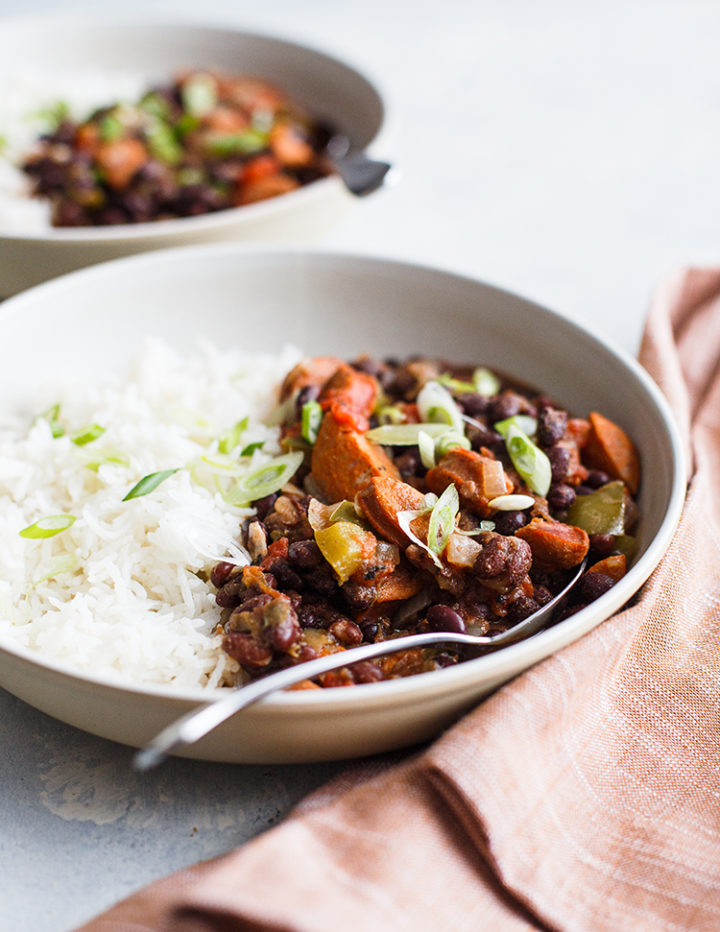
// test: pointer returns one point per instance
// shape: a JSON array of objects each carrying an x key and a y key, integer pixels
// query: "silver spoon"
[
  {"x": 361, "y": 174},
  {"x": 199, "y": 722}
]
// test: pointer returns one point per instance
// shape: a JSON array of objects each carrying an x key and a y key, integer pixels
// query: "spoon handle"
[{"x": 199, "y": 722}]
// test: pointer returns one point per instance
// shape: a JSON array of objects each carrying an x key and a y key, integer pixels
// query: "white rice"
[
  {"x": 131, "y": 606},
  {"x": 26, "y": 94}
]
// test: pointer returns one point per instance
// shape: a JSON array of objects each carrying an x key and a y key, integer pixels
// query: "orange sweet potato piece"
[
  {"x": 289, "y": 147},
  {"x": 382, "y": 499},
  {"x": 578, "y": 429},
  {"x": 611, "y": 450},
  {"x": 554, "y": 545},
  {"x": 477, "y": 478},
  {"x": 344, "y": 461},
  {"x": 614, "y": 566},
  {"x": 315, "y": 371},
  {"x": 351, "y": 396},
  {"x": 120, "y": 159},
  {"x": 265, "y": 188},
  {"x": 401, "y": 584}
]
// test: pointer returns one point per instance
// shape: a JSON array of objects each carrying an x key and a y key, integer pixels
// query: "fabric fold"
[{"x": 584, "y": 795}]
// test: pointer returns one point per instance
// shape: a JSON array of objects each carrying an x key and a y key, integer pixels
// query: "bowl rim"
[
  {"x": 196, "y": 225},
  {"x": 449, "y": 679}
]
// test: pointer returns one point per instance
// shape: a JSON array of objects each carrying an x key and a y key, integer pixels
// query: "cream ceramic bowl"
[
  {"x": 330, "y": 88},
  {"x": 92, "y": 320}
]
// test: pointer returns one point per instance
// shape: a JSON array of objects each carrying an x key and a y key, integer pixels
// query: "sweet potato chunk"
[
  {"x": 344, "y": 461},
  {"x": 478, "y": 479},
  {"x": 315, "y": 371},
  {"x": 611, "y": 450},
  {"x": 382, "y": 499},
  {"x": 351, "y": 396},
  {"x": 120, "y": 159},
  {"x": 614, "y": 566},
  {"x": 554, "y": 545}
]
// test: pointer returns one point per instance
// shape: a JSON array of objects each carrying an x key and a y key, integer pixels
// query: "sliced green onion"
[
  {"x": 155, "y": 105},
  {"x": 390, "y": 414},
  {"x": 426, "y": 446},
  {"x": 104, "y": 457},
  {"x": 229, "y": 439},
  {"x": 512, "y": 502},
  {"x": 61, "y": 564},
  {"x": 486, "y": 382},
  {"x": 442, "y": 519},
  {"x": 48, "y": 526},
  {"x": 523, "y": 422},
  {"x": 530, "y": 461},
  {"x": 438, "y": 406},
  {"x": 484, "y": 526},
  {"x": 54, "y": 115},
  {"x": 450, "y": 440},
  {"x": 87, "y": 435},
  {"x": 403, "y": 435},
  {"x": 110, "y": 128},
  {"x": 163, "y": 144},
  {"x": 312, "y": 415},
  {"x": 52, "y": 416},
  {"x": 264, "y": 480},
  {"x": 455, "y": 385},
  {"x": 237, "y": 143},
  {"x": 199, "y": 94},
  {"x": 252, "y": 447},
  {"x": 149, "y": 483}
]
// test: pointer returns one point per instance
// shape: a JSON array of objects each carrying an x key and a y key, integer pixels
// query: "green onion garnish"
[
  {"x": 62, "y": 564},
  {"x": 54, "y": 115},
  {"x": 199, "y": 94},
  {"x": 442, "y": 519},
  {"x": 48, "y": 526},
  {"x": 438, "y": 406},
  {"x": 456, "y": 385},
  {"x": 229, "y": 439},
  {"x": 237, "y": 143},
  {"x": 485, "y": 382},
  {"x": 403, "y": 435},
  {"x": 110, "y": 128},
  {"x": 390, "y": 414},
  {"x": 52, "y": 416},
  {"x": 426, "y": 446},
  {"x": 149, "y": 483},
  {"x": 530, "y": 461},
  {"x": 162, "y": 143},
  {"x": 523, "y": 422},
  {"x": 312, "y": 415},
  {"x": 156, "y": 105},
  {"x": 252, "y": 447},
  {"x": 105, "y": 457},
  {"x": 87, "y": 435},
  {"x": 264, "y": 480},
  {"x": 450, "y": 440}
]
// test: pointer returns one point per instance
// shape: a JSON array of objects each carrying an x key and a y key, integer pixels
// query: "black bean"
[
  {"x": 369, "y": 630},
  {"x": 307, "y": 393},
  {"x": 366, "y": 672},
  {"x": 508, "y": 404},
  {"x": 263, "y": 506},
  {"x": 559, "y": 462},
  {"x": 286, "y": 576},
  {"x": 602, "y": 544},
  {"x": 346, "y": 631},
  {"x": 542, "y": 595},
  {"x": 551, "y": 426},
  {"x": 409, "y": 463},
  {"x": 444, "y": 618},
  {"x": 507, "y": 522},
  {"x": 583, "y": 490},
  {"x": 481, "y": 436},
  {"x": 473, "y": 403},
  {"x": 304, "y": 553},
  {"x": 561, "y": 496},
  {"x": 596, "y": 478},
  {"x": 220, "y": 572},
  {"x": 593, "y": 585},
  {"x": 521, "y": 608}
]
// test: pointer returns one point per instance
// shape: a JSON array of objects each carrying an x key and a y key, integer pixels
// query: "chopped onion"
[
  {"x": 199, "y": 94},
  {"x": 437, "y": 405},
  {"x": 493, "y": 478},
  {"x": 461, "y": 550},
  {"x": 512, "y": 502}
]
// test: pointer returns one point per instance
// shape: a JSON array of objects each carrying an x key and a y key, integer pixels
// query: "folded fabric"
[{"x": 584, "y": 795}]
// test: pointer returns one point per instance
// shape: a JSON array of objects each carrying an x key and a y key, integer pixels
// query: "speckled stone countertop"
[{"x": 568, "y": 151}]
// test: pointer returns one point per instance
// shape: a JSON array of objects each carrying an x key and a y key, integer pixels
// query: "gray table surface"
[{"x": 566, "y": 150}]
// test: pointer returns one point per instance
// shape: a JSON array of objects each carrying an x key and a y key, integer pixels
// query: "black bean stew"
[
  {"x": 201, "y": 144},
  {"x": 429, "y": 497}
]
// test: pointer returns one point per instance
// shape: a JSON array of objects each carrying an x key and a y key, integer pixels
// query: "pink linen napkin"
[{"x": 584, "y": 795}]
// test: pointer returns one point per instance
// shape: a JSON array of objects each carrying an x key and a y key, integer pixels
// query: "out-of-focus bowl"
[
  {"x": 92, "y": 320},
  {"x": 331, "y": 90}
]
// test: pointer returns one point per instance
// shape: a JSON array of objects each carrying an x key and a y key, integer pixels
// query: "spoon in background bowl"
[
  {"x": 199, "y": 722},
  {"x": 360, "y": 174}
]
